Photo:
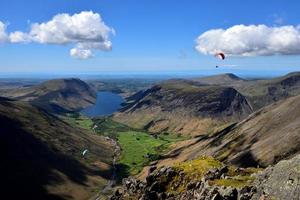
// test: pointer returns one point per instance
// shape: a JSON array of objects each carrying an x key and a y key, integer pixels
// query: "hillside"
[
  {"x": 264, "y": 92},
  {"x": 220, "y": 79},
  {"x": 58, "y": 95},
  {"x": 41, "y": 156},
  {"x": 264, "y": 138},
  {"x": 179, "y": 106},
  {"x": 259, "y": 92}
]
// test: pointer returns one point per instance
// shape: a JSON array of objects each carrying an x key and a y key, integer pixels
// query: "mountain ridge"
[
  {"x": 57, "y": 95},
  {"x": 179, "y": 106}
]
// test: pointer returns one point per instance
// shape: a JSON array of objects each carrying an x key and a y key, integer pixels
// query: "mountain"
[
  {"x": 264, "y": 138},
  {"x": 264, "y": 92},
  {"x": 219, "y": 79},
  {"x": 41, "y": 156},
  {"x": 258, "y": 92},
  {"x": 180, "y": 106},
  {"x": 59, "y": 95}
]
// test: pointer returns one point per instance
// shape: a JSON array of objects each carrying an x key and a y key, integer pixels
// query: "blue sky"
[{"x": 151, "y": 35}]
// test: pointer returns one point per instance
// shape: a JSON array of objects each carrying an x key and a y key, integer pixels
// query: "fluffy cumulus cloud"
[
  {"x": 85, "y": 30},
  {"x": 253, "y": 40},
  {"x": 3, "y": 34},
  {"x": 18, "y": 37}
]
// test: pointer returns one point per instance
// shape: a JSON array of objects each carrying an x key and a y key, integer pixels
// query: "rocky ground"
[
  {"x": 208, "y": 179},
  {"x": 204, "y": 178}
]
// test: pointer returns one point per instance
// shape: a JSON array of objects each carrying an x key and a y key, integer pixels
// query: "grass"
[
  {"x": 78, "y": 120},
  {"x": 140, "y": 148},
  {"x": 236, "y": 178},
  {"x": 198, "y": 167},
  {"x": 107, "y": 127},
  {"x": 194, "y": 171},
  {"x": 236, "y": 182}
]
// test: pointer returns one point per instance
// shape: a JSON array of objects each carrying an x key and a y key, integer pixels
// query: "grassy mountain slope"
[
  {"x": 179, "y": 106},
  {"x": 265, "y": 137},
  {"x": 58, "y": 95}
]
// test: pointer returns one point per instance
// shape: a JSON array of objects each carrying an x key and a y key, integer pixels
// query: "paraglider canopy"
[
  {"x": 220, "y": 55},
  {"x": 84, "y": 152}
]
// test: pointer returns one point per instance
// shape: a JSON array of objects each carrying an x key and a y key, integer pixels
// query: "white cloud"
[
  {"x": 252, "y": 40},
  {"x": 3, "y": 34},
  {"x": 81, "y": 53},
  {"x": 85, "y": 30},
  {"x": 19, "y": 37}
]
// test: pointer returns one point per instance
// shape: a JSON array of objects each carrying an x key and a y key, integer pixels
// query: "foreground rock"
[
  {"x": 281, "y": 181},
  {"x": 208, "y": 179},
  {"x": 204, "y": 178}
]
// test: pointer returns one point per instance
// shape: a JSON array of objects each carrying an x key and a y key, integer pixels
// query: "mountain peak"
[{"x": 219, "y": 79}]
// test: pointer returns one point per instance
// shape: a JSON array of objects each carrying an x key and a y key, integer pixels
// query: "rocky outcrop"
[
  {"x": 281, "y": 181},
  {"x": 171, "y": 183},
  {"x": 216, "y": 183},
  {"x": 154, "y": 189}
]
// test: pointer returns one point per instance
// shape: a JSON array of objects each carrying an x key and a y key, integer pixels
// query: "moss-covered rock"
[{"x": 202, "y": 178}]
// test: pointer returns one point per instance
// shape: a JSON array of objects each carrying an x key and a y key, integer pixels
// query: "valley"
[
  {"x": 187, "y": 136},
  {"x": 149, "y": 100}
]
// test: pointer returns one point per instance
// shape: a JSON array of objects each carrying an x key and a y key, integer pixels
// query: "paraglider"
[
  {"x": 220, "y": 56},
  {"x": 84, "y": 152}
]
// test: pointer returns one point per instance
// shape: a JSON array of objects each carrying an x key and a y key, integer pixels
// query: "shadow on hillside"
[
  {"x": 28, "y": 164},
  {"x": 245, "y": 159},
  {"x": 122, "y": 172}
]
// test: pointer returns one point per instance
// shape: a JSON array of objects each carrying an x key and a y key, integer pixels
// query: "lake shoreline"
[{"x": 107, "y": 103}]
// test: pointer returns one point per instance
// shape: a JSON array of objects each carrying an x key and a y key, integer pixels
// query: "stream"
[
  {"x": 113, "y": 179},
  {"x": 106, "y": 103},
  {"x": 112, "y": 182}
]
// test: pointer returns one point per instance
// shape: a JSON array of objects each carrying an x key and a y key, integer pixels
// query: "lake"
[{"x": 106, "y": 104}]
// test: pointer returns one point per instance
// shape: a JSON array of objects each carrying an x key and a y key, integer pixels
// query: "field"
[
  {"x": 140, "y": 148},
  {"x": 78, "y": 120}
]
